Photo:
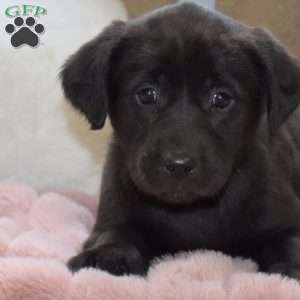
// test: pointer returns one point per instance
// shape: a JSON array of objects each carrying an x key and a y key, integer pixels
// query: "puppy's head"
[{"x": 186, "y": 90}]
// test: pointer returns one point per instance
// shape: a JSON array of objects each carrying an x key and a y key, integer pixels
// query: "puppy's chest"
[{"x": 170, "y": 232}]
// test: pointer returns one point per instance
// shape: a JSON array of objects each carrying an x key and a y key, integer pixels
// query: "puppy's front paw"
[{"x": 115, "y": 259}]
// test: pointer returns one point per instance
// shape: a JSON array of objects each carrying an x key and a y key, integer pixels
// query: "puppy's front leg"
[
  {"x": 282, "y": 257},
  {"x": 117, "y": 250}
]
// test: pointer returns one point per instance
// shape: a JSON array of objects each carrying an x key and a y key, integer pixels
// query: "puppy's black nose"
[{"x": 179, "y": 166}]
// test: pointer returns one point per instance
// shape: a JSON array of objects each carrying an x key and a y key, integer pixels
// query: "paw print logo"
[{"x": 24, "y": 33}]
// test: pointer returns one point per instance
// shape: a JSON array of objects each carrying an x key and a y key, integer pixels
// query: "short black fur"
[{"x": 183, "y": 172}]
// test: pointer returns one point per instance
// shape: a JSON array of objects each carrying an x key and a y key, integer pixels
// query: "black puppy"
[{"x": 205, "y": 150}]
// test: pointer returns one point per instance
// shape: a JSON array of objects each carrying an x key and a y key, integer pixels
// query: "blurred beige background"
[
  {"x": 282, "y": 17},
  {"x": 138, "y": 7}
]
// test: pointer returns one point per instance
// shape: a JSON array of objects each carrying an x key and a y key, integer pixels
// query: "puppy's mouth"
[
  {"x": 204, "y": 186},
  {"x": 185, "y": 195},
  {"x": 180, "y": 195}
]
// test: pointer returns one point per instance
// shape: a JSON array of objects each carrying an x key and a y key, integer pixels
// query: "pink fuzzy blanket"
[{"x": 38, "y": 233}]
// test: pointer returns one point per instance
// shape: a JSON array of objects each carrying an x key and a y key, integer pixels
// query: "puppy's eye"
[
  {"x": 221, "y": 100},
  {"x": 147, "y": 95}
]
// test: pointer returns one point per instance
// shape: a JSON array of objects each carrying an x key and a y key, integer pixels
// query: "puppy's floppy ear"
[
  {"x": 85, "y": 75},
  {"x": 282, "y": 76}
]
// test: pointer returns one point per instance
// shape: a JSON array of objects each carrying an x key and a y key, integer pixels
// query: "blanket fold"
[{"x": 40, "y": 232}]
